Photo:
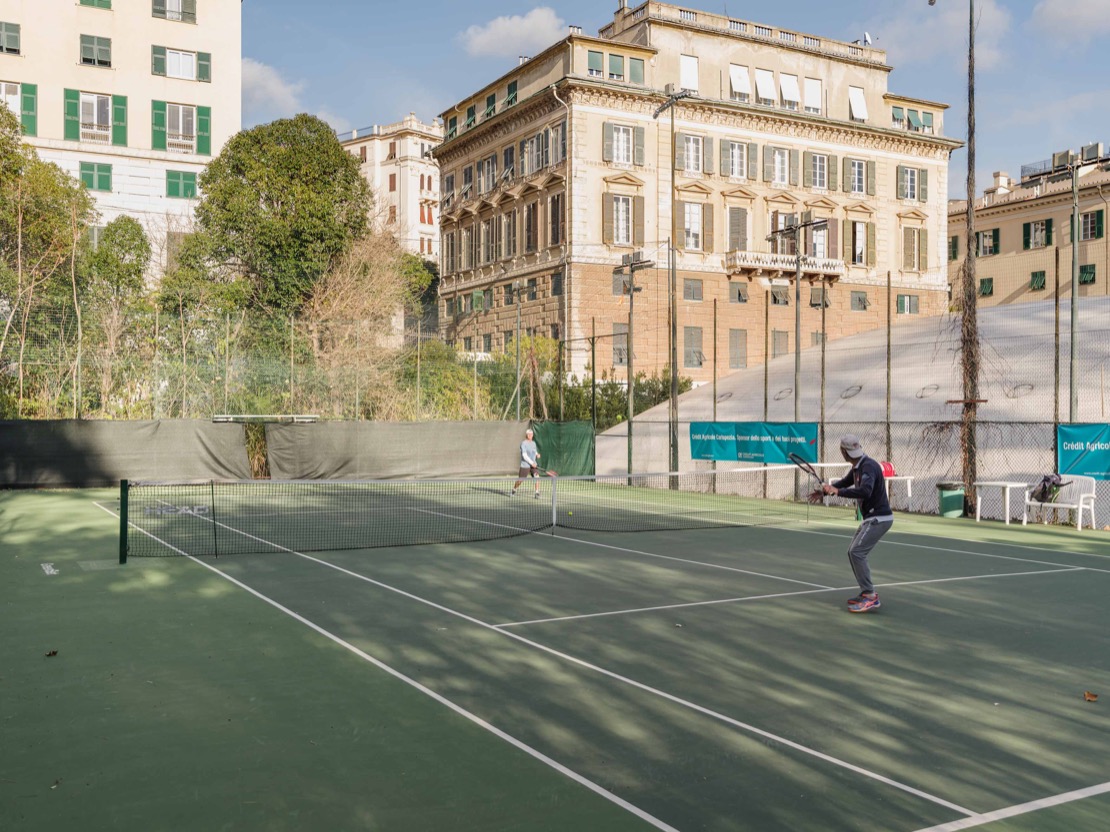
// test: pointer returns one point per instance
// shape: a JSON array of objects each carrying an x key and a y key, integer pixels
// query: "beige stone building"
[
  {"x": 555, "y": 170},
  {"x": 397, "y": 162},
  {"x": 133, "y": 97},
  {"x": 1023, "y": 240}
]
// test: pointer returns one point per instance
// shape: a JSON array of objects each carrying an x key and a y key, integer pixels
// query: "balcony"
[
  {"x": 764, "y": 264},
  {"x": 181, "y": 143},
  {"x": 97, "y": 133}
]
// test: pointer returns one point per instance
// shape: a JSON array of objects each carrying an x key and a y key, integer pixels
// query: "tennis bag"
[
  {"x": 888, "y": 468},
  {"x": 1048, "y": 488}
]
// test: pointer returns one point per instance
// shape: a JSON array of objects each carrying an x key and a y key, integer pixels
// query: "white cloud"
[
  {"x": 266, "y": 93},
  {"x": 336, "y": 122},
  {"x": 1074, "y": 21},
  {"x": 918, "y": 33},
  {"x": 512, "y": 35}
]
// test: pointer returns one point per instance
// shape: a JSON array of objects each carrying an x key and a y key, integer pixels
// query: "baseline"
[{"x": 1020, "y": 809}]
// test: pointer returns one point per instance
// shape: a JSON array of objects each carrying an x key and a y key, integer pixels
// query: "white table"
[
  {"x": 1002, "y": 484},
  {"x": 909, "y": 487}
]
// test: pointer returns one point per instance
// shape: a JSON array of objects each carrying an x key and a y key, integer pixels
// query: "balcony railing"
[
  {"x": 98, "y": 133},
  {"x": 178, "y": 143},
  {"x": 761, "y": 262}
]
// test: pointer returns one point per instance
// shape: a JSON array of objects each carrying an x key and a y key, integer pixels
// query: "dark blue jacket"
[{"x": 865, "y": 483}]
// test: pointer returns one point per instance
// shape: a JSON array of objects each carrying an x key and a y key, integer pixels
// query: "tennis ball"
[{"x": 569, "y": 513}]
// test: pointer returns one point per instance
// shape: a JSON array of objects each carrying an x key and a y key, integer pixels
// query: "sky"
[{"x": 1043, "y": 80}]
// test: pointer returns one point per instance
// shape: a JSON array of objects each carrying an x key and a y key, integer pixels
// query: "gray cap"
[{"x": 851, "y": 446}]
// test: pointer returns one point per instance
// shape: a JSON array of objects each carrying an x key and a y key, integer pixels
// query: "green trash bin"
[{"x": 950, "y": 496}]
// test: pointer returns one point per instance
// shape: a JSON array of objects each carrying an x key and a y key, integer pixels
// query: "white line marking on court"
[
  {"x": 787, "y": 595},
  {"x": 1020, "y": 809},
  {"x": 49, "y": 569},
  {"x": 539, "y": 755},
  {"x": 613, "y": 675}
]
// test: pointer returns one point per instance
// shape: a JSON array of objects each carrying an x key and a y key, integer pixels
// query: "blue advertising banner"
[
  {"x": 1083, "y": 450},
  {"x": 758, "y": 442}
]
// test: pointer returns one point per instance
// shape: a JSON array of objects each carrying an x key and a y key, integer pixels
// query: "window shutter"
[
  {"x": 707, "y": 229},
  {"x": 104, "y": 178},
  {"x": 872, "y": 175},
  {"x": 680, "y": 151},
  {"x": 679, "y": 236},
  {"x": 922, "y": 185},
  {"x": 204, "y": 67},
  {"x": 29, "y": 106},
  {"x": 768, "y": 163},
  {"x": 159, "y": 8},
  {"x": 607, "y": 142},
  {"x": 795, "y": 161},
  {"x": 871, "y": 247},
  {"x": 638, "y": 146},
  {"x": 901, "y": 182},
  {"x": 189, "y": 11},
  {"x": 833, "y": 168},
  {"x": 1071, "y": 227},
  {"x": 923, "y": 250},
  {"x": 607, "y": 202},
  {"x": 72, "y": 115},
  {"x": 907, "y": 250},
  {"x": 1026, "y": 228},
  {"x": 831, "y": 246},
  {"x": 848, "y": 247},
  {"x": 753, "y": 160},
  {"x": 204, "y": 131},
  {"x": 119, "y": 120},
  {"x": 1048, "y": 232},
  {"x": 638, "y": 220},
  {"x": 173, "y": 184},
  {"x": 726, "y": 158},
  {"x": 846, "y": 179},
  {"x": 807, "y": 169},
  {"x": 707, "y": 155},
  {"x": 157, "y": 60},
  {"x": 1100, "y": 216},
  {"x": 158, "y": 125},
  {"x": 995, "y": 233},
  {"x": 735, "y": 228}
]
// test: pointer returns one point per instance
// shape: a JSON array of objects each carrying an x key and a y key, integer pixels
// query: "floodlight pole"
[
  {"x": 1073, "y": 388},
  {"x": 632, "y": 263},
  {"x": 516, "y": 293},
  {"x": 669, "y": 104}
]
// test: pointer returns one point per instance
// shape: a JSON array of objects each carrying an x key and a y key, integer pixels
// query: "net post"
[
  {"x": 554, "y": 504},
  {"x": 122, "y": 522}
]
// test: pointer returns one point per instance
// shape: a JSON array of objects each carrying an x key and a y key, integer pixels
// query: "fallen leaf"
[
  {"x": 52, "y": 653},
  {"x": 1090, "y": 697},
  {"x": 57, "y": 783}
]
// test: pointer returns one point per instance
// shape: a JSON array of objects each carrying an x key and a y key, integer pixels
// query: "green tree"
[{"x": 283, "y": 202}]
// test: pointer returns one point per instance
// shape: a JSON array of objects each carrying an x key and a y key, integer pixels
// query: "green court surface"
[{"x": 686, "y": 680}]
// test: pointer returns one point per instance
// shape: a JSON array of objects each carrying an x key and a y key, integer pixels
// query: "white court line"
[
  {"x": 788, "y": 595},
  {"x": 539, "y": 755},
  {"x": 1020, "y": 809},
  {"x": 626, "y": 680}
]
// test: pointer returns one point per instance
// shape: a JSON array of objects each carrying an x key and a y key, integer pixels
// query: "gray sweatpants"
[{"x": 867, "y": 535}]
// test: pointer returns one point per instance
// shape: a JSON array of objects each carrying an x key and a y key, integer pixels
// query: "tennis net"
[{"x": 214, "y": 518}]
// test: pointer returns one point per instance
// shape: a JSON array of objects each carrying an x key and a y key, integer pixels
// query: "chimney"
[
  {"x": 576, "y": 30},
  {"x": 522, "y": 60}
]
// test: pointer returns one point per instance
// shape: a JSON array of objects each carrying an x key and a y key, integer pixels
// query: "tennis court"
[{"x": 701, "y": 677}]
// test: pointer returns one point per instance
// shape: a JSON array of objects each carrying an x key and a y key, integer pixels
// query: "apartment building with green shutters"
[{"x": 133, "y": 97}]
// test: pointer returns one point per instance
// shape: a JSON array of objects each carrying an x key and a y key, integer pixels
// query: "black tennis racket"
[{"x": 818, "y": 492}]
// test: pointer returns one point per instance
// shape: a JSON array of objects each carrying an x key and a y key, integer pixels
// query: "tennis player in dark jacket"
[{"x": 864, "y": 483}]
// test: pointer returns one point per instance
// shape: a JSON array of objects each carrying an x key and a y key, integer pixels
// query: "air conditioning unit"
[
  {"x": 1092, "y": 152},
  {"x": 1062, "y": 159}
]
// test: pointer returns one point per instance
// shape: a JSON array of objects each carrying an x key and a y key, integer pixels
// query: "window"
[
  {"x": 471, "y": 116},
  {"x": 392, "y": 182},
  {"x": 487, "y": 174},
  {"x": 9, "y": 38},
  {"x": 531, "y": 227},
  {"x": 693, "y": 225},
  {"x": 988, "y": 242},
  {"x": 508, "y": 163},
  {"x": 819, "y": 171},
  {"x": 508, "y": 294},
  {"x": 818, "y": 297},
  {"x": 791, "y": 94},
  {"x": 452, "y": 127},
  {"x": 909, "y": 183},
  {"x": 781, "y": 166},
  {"x": 622, "y": 220},
  {"x": 857, "y": 104},
  {"x": 858, "y": 177},
  {"x": 392, "y": 214},
  {"x": 183, "y": 10},
  {"x": 532, "y": 287},
  {"x": 556, "y": 284},
  {"x": 915, "y": 245},
  {"x": 616, "y": 67},
  {"x": 636, "y": 70},
  {"x": 487, "y": 342},
  {"x": 468, "y": 182},
  {"x": 693, "y": 150},
  {"x": 927, "y": 123},
  {"x": 780, "y": 296},
  {"x": 819, "y": 242},
  {"x": 1087, "y": 274},
  {"x": 765, "y": 87},
  {"x": 737, "y": 349},
  {"x": 9, "y": 95},
  {"x": 860, "y": 302},
  {"x": 738, "y": 160},
  {"x": 898, "y": 118},
  {"x": 620, "y": 345},
  {"x": 1091, "y": 225},
  {"x": 780, "y": 343},
  {"x": 1037, "y": 281},
  {"x": 737, "y": 292},
  {"x": 1037, "y": 234},
  {"x": 914, "y": 119},
  {"x": 181, "y": 184},
  {"x": 741, "y": 83},
  {"x": 692, "y": 355},
  {"x": 487, "y": 241},
  {"x": 468, "y": 344},
  {"x": 596, "y": 64},
  {"x": 858, "y": 243},
  {"x": 507, "y": 338},
  {"x": 96, "y": 118},
  {"x": 689, "y": 73},
  {"x": 179, "y": 64},
  {"x": 508, "y": 238},
  {"x": 986, "y": 287},
  {"x": 691, "y": 289},
  {"x": 181, "y": 130},
  {"x": 908, "y": 305},
  {"x": 555, "y": 219},
  {"x": 491, "y": 106},
  {"x": 96, "y": 51},
  {"x": 783, "y": 243},
  {"x": 510, "y": 96},
  {"x": 953, "y": 249},
  {"x": 813, "y": 96},
  {"x": 96, "y": 177},
  {"x": 622, "y": 145}
]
